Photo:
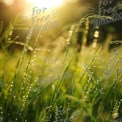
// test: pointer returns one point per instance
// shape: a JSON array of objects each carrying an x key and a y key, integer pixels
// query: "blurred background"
[{"x": 69, "y": 27}]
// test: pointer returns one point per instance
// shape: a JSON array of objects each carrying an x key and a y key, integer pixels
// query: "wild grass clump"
[{"x": 70, "y": 87}]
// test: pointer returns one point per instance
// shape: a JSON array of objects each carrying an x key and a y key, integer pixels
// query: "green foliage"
[{"x": 68, "y": 87}]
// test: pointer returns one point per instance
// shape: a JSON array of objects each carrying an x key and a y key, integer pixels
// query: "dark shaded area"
[
  {"x": 104, "y": 25},
  {"x": 8, "y": 13}
]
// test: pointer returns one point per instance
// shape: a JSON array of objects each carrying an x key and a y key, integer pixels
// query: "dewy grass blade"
[
  {"x": 38, "y": 94},
  {"x": 58, "y": 86},
  {"x": 21, "y": 60},
  {"x": 90, "y": 64}
]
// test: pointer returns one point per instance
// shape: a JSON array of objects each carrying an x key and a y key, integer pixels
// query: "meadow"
[{"x": 53, "y": 86}]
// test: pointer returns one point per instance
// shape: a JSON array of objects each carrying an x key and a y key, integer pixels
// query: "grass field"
[{"x": 50, "y": 86}]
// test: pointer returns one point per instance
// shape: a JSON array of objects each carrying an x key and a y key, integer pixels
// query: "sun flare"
[{"x": 46, "y": 3}]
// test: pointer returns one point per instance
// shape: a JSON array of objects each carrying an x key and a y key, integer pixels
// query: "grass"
[{"x": 60, "y": 87}]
